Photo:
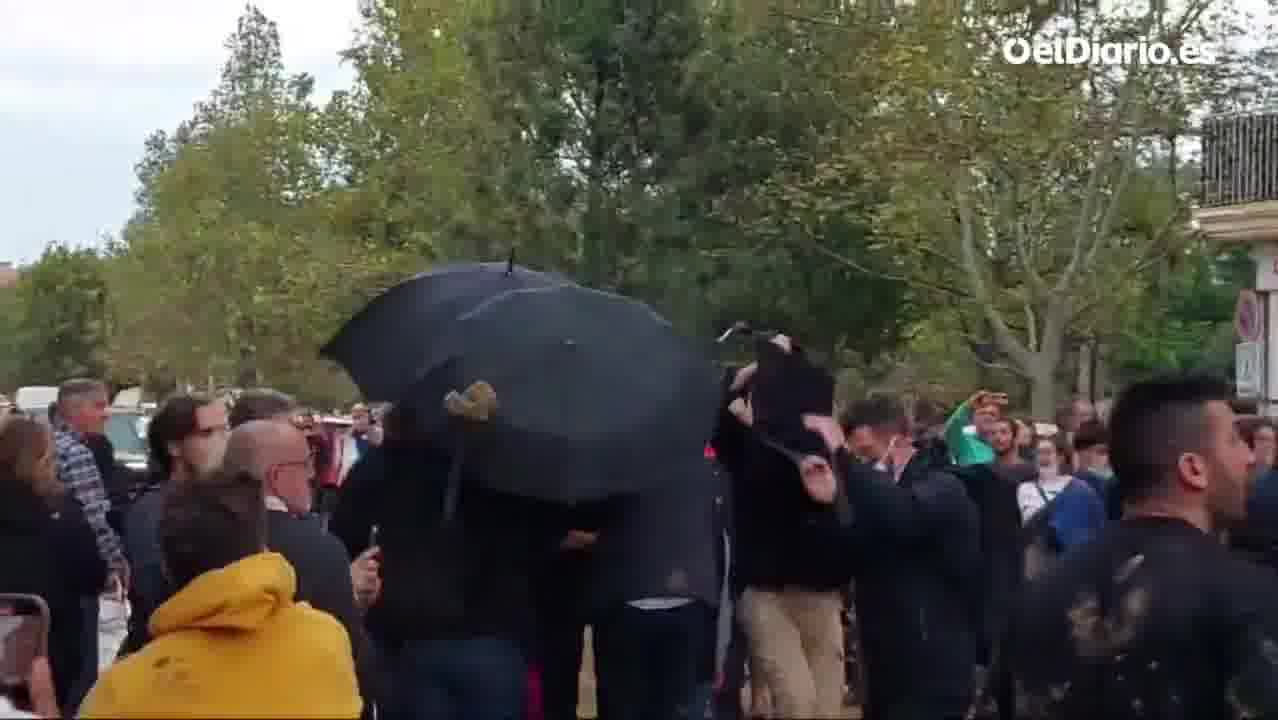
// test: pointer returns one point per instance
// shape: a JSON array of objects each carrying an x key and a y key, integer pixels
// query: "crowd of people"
[{"x": 975, "y": 566}]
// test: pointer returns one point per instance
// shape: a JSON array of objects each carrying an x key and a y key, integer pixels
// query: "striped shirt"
[{"x": 79, "y": 474}]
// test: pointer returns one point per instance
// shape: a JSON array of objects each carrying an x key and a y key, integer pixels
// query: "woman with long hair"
[{"x": 46, "y": 546}]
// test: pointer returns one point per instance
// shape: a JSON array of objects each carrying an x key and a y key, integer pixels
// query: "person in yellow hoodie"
[{"x": 232, "y": 642}]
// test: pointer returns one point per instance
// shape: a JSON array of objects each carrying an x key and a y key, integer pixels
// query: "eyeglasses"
[{"x": 308, "y": 465}]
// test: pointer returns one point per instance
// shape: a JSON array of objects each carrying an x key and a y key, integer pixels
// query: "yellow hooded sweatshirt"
[{"x": 234, "y": 644}]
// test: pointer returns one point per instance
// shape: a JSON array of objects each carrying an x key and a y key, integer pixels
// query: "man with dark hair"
[
  {"x": 1091, "y": 460},
  {"x": 186, "y": 439},
  {"x": 916, "y": 536},
  {"x": 1155, "y": 617},
  {"x": 867, "y": 421},
  {"x": 262, "y": 404},
  {"x": 233, "y": 641},
  {"x": 967, "y": 431}
]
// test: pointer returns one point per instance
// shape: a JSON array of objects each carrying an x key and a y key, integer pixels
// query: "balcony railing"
[{"x": 1240, "y": 159}]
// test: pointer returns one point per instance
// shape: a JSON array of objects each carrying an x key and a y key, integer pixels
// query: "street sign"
[
  {"x": 1248, "y": 369},
  {"x": 1247, "y": 316}
]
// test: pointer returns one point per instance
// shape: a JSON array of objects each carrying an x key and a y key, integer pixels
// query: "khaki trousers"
[{"x": 796, "y": 649}]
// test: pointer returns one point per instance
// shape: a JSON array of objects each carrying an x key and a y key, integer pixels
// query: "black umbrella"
[
  {"x": 388, "y": 345},
  {"x": 596, "y": 394}
]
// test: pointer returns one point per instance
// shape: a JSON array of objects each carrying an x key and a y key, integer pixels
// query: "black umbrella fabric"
[
  {"x": 595, "y": 394},
  {"x": 388, "y": 345}
]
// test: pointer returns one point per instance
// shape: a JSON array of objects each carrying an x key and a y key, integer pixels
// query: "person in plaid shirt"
[{"x": 81, "y": 410}]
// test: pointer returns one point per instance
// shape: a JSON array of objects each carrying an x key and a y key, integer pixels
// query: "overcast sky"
[{"x": 83, "y": 82}]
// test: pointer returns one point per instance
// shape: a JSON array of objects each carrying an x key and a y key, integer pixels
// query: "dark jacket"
[
  {"x": 466, "y": 578},
  {"x": 660, "y": 544},
  {"x": 324, "y": 580},
  {"x": 916, "y": 552},
  {"x": 358, "y": 502},
  {"x": 56, "y": 558},
  {"x": 1257, "y": 535},
  {"x": 1152, "y": 619},
  {"x": 149, "y": 587},
  {"x": 774, "y": 544}
]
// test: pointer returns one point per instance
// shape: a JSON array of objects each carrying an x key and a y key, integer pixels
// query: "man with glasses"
[
  {"x": 185, "y": 440},
  {"x": 277, "y": 455}
]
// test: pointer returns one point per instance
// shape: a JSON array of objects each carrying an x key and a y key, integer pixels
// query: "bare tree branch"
[
  {"x": 1100, "y": 162},
  {"x": 975, "y": 271}
]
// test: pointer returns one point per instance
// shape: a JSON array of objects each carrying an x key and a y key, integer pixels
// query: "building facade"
[{"x": 1238, "y": 203}]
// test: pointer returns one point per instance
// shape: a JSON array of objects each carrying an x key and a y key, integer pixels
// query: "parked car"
[{"x": 126, "y": 429}]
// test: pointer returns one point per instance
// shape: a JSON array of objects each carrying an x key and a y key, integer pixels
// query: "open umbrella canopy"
[
  {"x": 387, "y": 346},
  {"x": 595, "y": 393}
]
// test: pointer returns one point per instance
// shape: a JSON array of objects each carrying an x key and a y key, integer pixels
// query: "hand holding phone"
[{"x": 24, "y": 647}]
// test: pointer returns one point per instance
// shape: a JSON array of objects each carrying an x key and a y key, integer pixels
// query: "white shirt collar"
[{"x": 276, "y": 504}]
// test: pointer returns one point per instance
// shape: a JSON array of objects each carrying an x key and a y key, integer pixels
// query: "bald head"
[
  {"x": 257, "y": 445},
  {"x": 277, "y": 455}
]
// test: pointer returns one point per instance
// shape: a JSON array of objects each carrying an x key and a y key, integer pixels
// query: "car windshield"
[{"x": 127, "y": 432}]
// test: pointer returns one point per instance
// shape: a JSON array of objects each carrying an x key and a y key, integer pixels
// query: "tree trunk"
[
  {"x": 1042, "y": 388},
  {"x": 1085, "y": 385}
]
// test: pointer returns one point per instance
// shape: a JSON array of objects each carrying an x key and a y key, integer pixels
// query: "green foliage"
[
  {"x": 870, "y": 178},
  {"x": 1185, "y": 321},
  {"x": 58, "y": 318}
]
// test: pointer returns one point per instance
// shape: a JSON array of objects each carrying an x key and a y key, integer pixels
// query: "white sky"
[{"x": 83, "y": 82}]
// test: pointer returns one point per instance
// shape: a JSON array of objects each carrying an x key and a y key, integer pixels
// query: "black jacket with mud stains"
[
  {"x": 1153, "y": 619},
  {"x": 916, "y": 551}
]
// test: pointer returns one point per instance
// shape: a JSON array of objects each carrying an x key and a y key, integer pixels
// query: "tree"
[
  {"x": 1009, "y": 188},
  {"x": 11, "y": 363},
  {"x": 231, "y": 250},
  {"x": 61, "y": 317},
  {"x": 1185, "y": 319}
]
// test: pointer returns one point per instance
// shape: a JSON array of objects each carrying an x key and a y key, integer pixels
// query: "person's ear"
[{"x": 1192, "y": 469}]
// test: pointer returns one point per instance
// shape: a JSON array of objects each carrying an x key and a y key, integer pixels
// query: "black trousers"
[
  {"x": 649, "y": 662},
  {"x": 560, "y": 641}
]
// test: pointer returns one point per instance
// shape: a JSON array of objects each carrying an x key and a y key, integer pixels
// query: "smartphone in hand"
[{"x": 24, "y": 637}]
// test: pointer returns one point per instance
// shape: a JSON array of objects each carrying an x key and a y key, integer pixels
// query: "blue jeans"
[{"x": 482, "y": 678}]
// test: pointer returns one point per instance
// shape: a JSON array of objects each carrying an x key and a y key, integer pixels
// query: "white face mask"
[{"x": 885, "y": 463}]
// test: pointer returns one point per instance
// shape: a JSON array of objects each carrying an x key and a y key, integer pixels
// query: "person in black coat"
[
  {"x": 914, "y": 542},
  {"x": 277, "y": 455},
  {"x": 1155, "y": 617},
  {"x": 455, "y": 611},
  {"x": 46, "y": 545},
  {"x": 789, "y": 578},
  {"x": 654, "y": 589}
]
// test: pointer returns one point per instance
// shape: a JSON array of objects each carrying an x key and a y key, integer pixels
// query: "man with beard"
[
  {"x": 1155, "y": 617},
  {"x": 186, "y": 439}
]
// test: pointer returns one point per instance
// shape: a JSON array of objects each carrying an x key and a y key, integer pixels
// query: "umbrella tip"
[{"x": 510, "y": 263}]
